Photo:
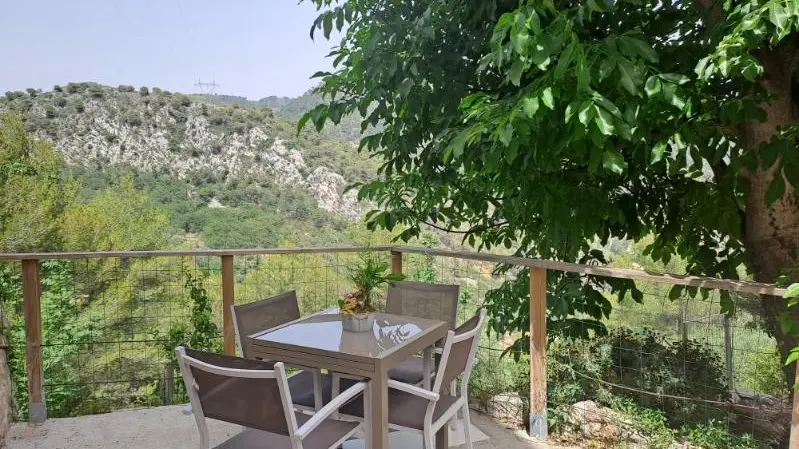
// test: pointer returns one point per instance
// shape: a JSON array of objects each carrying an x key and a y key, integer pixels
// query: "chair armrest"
[
  {"x": 412, "y": 389},
  {"x": 329, "y": 409}
]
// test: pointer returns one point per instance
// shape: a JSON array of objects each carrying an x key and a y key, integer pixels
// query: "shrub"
[
  {"x": 60, "y": 102},
  {"x": 645, "y": 361},
  {"x": 125, "y": 88},
  {"x": 143, "y": 91},
  {"x": 96, "y": 91},
  {"x": 762, "y": 372},
  {"x": 50, "y": 112},
  {"x": 133, "y": 119},
  {"x": 79, "y": 107},
  {"x": 58, "y": 88},
  {"x": 32, "y": 92}
]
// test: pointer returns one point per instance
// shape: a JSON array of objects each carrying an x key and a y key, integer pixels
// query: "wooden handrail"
[
  {"x": 620, "y": 273},
  {"x": 13, "y": 257}
]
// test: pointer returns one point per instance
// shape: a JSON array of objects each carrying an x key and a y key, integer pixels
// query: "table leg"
[
  {"x": 427, "y": 356},
  {"x": 378, "y": 411}
]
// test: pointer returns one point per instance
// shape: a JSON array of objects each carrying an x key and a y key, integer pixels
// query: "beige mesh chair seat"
[
  {"x": 310, "y": 389},
  {"x": 256, "y": 395},
  {"x": 424, "y": 411},
  {"x": 423, "y": 300}
]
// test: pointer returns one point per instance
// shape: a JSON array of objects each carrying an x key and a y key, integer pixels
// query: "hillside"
[
  {"x": 291, "y": 109},
  {"x": 171, "y": 134}
]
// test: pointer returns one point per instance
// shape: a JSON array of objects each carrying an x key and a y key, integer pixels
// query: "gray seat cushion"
[
  {"x": 411, "y": 371},
  {"x": 302, "y": 388},
  {"x": 404, "y": 409},
  {"x": 325, "y": 436}
]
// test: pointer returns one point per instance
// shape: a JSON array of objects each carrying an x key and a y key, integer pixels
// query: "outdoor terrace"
[{"x": 92, "y": 333}]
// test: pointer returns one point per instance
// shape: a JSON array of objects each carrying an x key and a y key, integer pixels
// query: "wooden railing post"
[
  {"x": 538, "y": 352},
  {"x": 31, "y": 296},
  {"x": 227, "y": 303},
  {"x": 396, "y": 262}
]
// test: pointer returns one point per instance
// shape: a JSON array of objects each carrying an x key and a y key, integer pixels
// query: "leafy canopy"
[{"x": 544, "y": 125}]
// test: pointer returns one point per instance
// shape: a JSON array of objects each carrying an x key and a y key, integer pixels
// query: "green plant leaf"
[
  {"x": 547, "y": 98},
  {"x": 792, "y": 291},
  {"x": 613, "y": 160},
  {"x": 627, "y": 73},
  {"x": 776, "y": 189},
  {"x": 515, "y": 72},
  {"x": 652, "y": 86},
  {"x": 530, "y": 106}
]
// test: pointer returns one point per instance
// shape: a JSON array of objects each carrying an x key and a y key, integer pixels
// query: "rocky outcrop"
[{"x": 172, "y": 133}]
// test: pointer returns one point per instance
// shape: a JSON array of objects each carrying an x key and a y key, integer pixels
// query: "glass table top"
[{"x": 323, "y": 331}]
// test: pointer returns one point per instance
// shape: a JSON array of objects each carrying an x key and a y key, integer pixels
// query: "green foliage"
[
  {"x": 200, "y": 332},
  {"x": 368, "y": 277},
  {"x": 543, "y": 126},
  {"x": 120, "y": 217},
  {"x": 641, "y": 361},
  {"x": 32, "y": 193},
  {"x": 576, "y": 305}
]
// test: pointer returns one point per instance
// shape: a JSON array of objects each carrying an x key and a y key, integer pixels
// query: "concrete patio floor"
[{"x": 168, "y": 428}]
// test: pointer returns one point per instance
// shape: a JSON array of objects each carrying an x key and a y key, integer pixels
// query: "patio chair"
[
  {"x": 255, "y": 394},
  {"x": 310, "y": 388},
  {"x": 423, "y": 300},
  {"x": 424, "y": 411}
]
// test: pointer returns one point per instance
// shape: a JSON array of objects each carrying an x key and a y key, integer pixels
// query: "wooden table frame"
[{"x": 374, "y": 368}]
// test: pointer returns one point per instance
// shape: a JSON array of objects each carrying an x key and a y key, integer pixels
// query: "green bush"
[
  {"x": 762, "y": 372},
  {"x": 641, "y": 361},
  {"x": 144, "y": 91}
]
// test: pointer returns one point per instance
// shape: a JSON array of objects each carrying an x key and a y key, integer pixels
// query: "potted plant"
[{"x": 357, "y": 308}]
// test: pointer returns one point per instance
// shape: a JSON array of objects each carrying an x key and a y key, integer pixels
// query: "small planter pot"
[{"x": 360, "y": 323}]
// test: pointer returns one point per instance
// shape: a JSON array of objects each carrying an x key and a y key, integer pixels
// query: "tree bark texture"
[{"x": 772, "y": 232}]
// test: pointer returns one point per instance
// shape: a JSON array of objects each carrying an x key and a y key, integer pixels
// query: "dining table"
[{"x": 319, "y": 341}]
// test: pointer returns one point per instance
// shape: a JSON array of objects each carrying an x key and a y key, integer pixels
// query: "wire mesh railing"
[{"x": 109, "y": 324}]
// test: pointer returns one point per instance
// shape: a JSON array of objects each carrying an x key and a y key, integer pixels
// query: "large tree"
[{"x": 543, "y": 124}]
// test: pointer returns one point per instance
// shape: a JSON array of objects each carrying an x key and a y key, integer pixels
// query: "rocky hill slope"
[{"x": 164, "y": 132}]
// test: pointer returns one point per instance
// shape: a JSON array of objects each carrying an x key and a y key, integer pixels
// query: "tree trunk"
[{"x": 772, "y": 233}]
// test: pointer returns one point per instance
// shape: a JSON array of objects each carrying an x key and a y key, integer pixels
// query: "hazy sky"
[{"x": 252, "y": 48}]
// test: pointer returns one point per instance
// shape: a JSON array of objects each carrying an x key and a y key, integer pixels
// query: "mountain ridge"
[{"x": 165, "y": 132}]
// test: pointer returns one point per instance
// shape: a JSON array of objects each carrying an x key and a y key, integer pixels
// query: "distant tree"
[
  {"x": 144, "y": 91},
  {"x": 125, "y": 88},
  {"x": 96, "y": 91},
  {"x": 32, "y": 92},
  {"x": 157, "y": 91},
  {"x": 120, "y": 217},
  {"x": 58, "y": 88},
  {"x": 13, "y": 95},
  {"x": 32, "y": 192},
  {"x": 60, "y": 102}
]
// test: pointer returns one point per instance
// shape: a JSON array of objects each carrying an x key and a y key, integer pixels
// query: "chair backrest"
[
  {"x": 423, "y": 300},
  {"x": 262, "y": 315},
  {"x": 460, "y": 347},
  {"x": 246, "y": 392}
]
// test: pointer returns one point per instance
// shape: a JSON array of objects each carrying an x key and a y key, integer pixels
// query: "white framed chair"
[
  {"x": 256, "y": 395},
  {"x": 423, "y": 300},
  {"x": 310, "y": 388},
  {"x": 419, "y": 410}
]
